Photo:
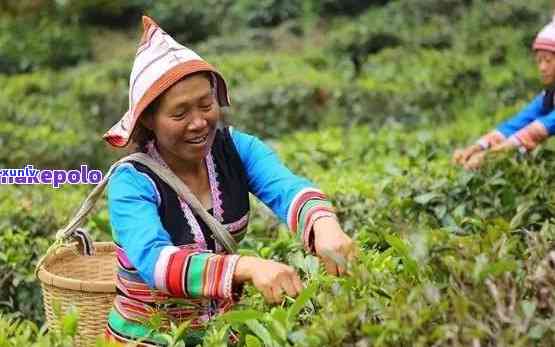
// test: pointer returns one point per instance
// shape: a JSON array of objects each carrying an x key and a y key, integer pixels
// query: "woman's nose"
[
  {"x": 543, "y": 66},
  {"x": 198, "y": 121}
]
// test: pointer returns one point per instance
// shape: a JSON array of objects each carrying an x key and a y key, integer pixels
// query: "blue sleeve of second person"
[
  {"x": 529, "y": 114},
  {"x": 269, "y": 180},
  {"x": 548, "y": 122}
]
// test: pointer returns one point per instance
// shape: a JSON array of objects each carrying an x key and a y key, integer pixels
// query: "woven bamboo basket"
[{"x": 84, "y": 282}]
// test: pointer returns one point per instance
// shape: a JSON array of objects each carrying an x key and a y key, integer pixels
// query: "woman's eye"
[{"x": 179, "y": 115}]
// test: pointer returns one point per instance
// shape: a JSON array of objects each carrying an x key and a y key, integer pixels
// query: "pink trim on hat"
[
  {"x": 542, "y": 43},
  {"x": 545, "y": 40}
]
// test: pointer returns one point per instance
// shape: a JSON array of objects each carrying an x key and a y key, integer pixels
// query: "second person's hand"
[
  {"x": 476, "y": 161},
  {"x": 462, "y": 156}
]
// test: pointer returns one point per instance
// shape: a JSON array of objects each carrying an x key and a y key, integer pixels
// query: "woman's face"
[
  {"x": 185, "y": 121},
  {"x": 546, "y": 65}
]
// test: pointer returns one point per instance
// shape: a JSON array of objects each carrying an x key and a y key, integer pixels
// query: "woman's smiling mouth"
[{"x": 197, "y": 140}]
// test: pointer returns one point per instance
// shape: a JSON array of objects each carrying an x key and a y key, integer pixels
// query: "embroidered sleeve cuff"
[
  {"x": 306, "y": 208},
  {"x": 176, "y": 272},
  {"x": 231, "y": 291},
  {"x": 491, "y": 139},
  {"x": 161, "y": 269},
  {"x": 186, "y": 272},
  {"x": 210, "y": 275},
  {"x": 532, "y": 135}
]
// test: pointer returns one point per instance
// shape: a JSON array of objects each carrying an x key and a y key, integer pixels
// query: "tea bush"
[
  {"x": 191, "y": 21},
  {"x": 330, "y": 8},
  {"x": 29, "y": 44},
  {"x": 267, "y": 12}
]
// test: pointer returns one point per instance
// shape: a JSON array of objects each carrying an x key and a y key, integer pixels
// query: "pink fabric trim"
[
  {"x": 137, "y": 312},
  {"x": 153, "y": 152},
  {"x": 122, "y": 258},
  {"x": 238, "y": 225},
  {"x": 228, "y": 276},
  {"x": 195, "y": 227},
  {"x": 542, "y": 43},
  {"x": 161, "y": 267},
  {"x": 296, "y": 205},
  {"x": 214, "y": 188}
]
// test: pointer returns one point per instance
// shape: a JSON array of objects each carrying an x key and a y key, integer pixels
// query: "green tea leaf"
[
  {"x": 241, "y": 316},
  {"x": 261, "y": 332},
  {"x": 251, "y": 341},
  {"x": 301, "y": 301},
  {"x": 426, "y": 198}
]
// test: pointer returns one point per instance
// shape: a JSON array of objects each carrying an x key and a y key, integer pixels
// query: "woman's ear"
[{"x": 147, "y": 120}]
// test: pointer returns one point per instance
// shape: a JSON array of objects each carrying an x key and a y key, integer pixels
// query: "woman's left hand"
[
  {"x": 476, "y": 161},
  {"x": 330, "y": 238}
]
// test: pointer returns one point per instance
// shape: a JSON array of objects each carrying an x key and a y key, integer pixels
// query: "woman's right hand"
[
  {"x": 271, "y": 278},
  {"x": 462, "y": 156}
]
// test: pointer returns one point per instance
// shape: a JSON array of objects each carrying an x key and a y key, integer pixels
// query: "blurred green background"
[{"x": 367, "y": 98}]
